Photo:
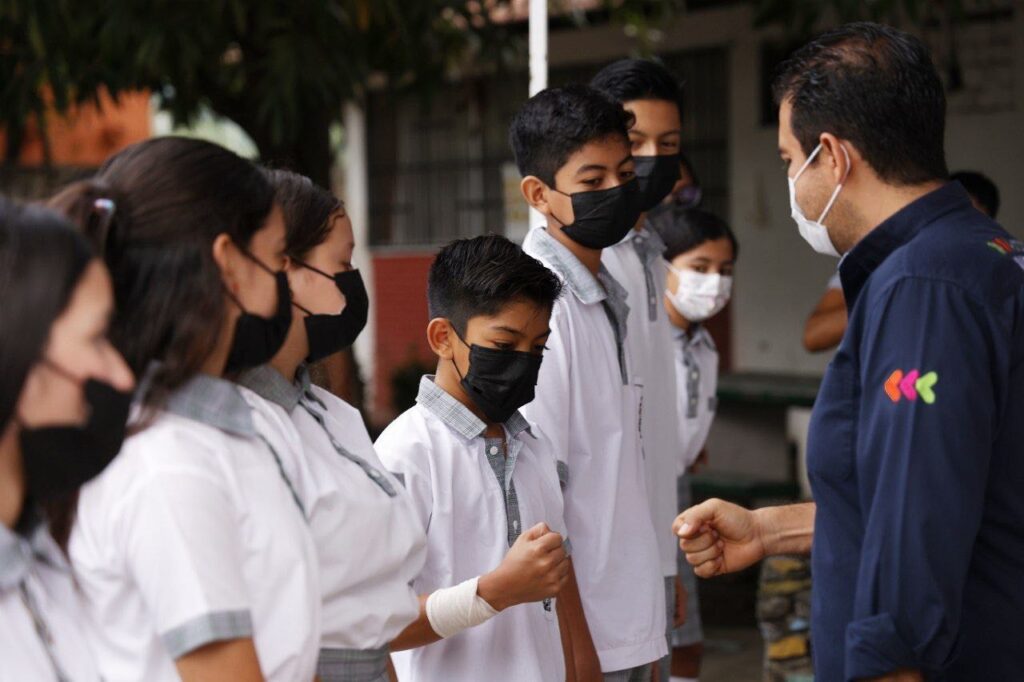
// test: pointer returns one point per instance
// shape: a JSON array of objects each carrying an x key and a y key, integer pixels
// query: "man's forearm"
[{"x": 787, "y": 529}]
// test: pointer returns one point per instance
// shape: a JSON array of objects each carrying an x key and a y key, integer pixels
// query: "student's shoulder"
[
  {"x": 411, "y": 438},
  {"x": 340, "y": 410}
]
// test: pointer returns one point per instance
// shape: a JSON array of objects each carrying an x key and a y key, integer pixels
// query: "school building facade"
[{"x": 417, "y": 175}]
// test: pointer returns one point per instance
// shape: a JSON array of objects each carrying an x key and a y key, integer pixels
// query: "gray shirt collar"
[
  {"x": 698, "y": 336},
  {"x": 19, "y": 553},
  {"x": 649, "y": 245},
  {"x": 268, "y": 383},
  {"x": 457, "y": 416},
  {"x": 578, "y": 278},
  {"x": 213, "y": 401}
]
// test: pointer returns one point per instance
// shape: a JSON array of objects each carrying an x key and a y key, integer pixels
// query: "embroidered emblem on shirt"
[
  {"x": 912, "y": 385},
  {"x": 1001, "y": 245}
]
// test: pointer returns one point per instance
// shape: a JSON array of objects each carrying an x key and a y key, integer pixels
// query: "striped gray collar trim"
[
  {"x": 648, "y": 244},
  {"x": 699, "y": 336},
  {"x": 20, "y": 552},
  {"x": 268, "y": 383},
  {"x": 457, "y": 416},
  {"x": 213, "y": 401},
  {"x": 581, "y": 281}
]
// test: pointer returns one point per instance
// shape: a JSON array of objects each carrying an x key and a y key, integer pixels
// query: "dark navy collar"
[{"x": 895, "y": 231}]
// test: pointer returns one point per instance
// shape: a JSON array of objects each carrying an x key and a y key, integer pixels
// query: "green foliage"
[{"x": 281, "y": 69}]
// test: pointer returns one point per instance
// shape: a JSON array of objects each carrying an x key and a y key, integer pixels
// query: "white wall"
[{"x": 779, "y": 278}]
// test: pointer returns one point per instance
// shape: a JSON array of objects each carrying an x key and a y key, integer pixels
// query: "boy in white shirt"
[
  {"x": 485, "y": 483},
  {"x": 648, "y": 91},
  {"x": 572, "y": 147},
  {"x": 701, "y": 253}
]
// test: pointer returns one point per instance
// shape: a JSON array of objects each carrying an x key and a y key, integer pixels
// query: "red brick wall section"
[{"x": 400, "y": 303}]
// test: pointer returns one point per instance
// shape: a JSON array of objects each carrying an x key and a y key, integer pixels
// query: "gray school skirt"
[{"x": 353, "y": 665}]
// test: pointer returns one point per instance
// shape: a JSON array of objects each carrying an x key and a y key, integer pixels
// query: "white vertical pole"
[
  {"x": 538, "y": 64},
  {"x": 538, "y": 46},
  {"x": 357, "y": 205}
]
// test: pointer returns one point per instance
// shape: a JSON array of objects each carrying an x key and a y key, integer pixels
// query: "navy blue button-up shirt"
[{"x": 916, "y": 453}]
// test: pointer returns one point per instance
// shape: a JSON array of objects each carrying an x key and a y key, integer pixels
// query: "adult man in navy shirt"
[{"x": 914, "y": 451}]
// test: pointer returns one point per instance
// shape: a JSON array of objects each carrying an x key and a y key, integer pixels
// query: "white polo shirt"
[
  {"x": 589, "y": 406},
  {"x": 638, "y": 264},
  {"x": 42, "y": 623},
  {"x": 192, "y": 535},
  {"x": 352, "y": 502},
  {"x": 474, "y": 502},
  {"x": 696, "y": 361}
]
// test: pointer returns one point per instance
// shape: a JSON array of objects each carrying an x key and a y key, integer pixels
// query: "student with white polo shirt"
[
  {"x": 648, "y": 91},
  {"x": 572, "y": 147},
  {"x": 352, "y": 502},
  {"x": 701, "y": 252},
  {"x": 485, "y": 483},
  {"x": 192, "y": 548},
  {"x": 64, "y": 397}
]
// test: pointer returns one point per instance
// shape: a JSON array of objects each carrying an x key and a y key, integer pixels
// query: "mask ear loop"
[
  {"x": 839, "y": 187},
  {"x": 262, "y": 266},
  {"x": 459, "y": 337}
]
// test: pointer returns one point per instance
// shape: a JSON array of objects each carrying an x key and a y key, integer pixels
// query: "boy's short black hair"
[
  {"x": 877, "y": 87},
  {"x": 482, "y": 275},
  {"x": 634, "y": 79},
  {"x": 683, "y": 229},
  {"x": 981, "y": 188},
  {"x": 556, "y": 123}
]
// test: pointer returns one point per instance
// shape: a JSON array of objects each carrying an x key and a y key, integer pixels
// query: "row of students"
[{"x": 220, "y": 542}]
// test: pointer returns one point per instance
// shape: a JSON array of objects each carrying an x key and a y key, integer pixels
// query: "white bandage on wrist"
[{"x": 453, "y": 609}]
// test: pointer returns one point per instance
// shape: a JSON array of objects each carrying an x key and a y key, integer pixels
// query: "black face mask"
[
  {"x": 58, "y": 460},
  {"x": 657, "y": 176},
  {"x": 257, "y": 339},
  {"x": 499, "y": 382},
  {"x": 329, "y": 334},
  {"x": 603, "y": 217}
]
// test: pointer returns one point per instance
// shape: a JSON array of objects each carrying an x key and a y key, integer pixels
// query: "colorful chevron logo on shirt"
[
  {"x": 911, "y": 386},
  {"x": 1002, "y": 246}
]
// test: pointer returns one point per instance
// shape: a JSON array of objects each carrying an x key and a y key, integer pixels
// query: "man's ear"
[
  {"x": 535, "y": 192},
  {"x": 441, "y": 338},
  {"x": 226, "y": 255},
  {"x": 838, "y": 155}
]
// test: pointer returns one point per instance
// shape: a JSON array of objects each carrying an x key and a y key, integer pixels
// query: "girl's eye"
[
  {"x": 540, "y": 349},
  {"x": 504, "y": 346},
  {"x": 703, "y": 269}
]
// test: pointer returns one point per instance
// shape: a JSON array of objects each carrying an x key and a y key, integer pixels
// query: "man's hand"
[
  {"x": 535, "y": 568},
  {"x": 719, "y": 537}
]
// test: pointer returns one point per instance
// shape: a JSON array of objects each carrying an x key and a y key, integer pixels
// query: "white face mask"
[
  {"x": 699, "y": 295},
  {"x": 813, "y": 231}
]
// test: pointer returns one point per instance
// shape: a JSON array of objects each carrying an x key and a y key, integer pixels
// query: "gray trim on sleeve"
[{"x": 209, "y": 627}]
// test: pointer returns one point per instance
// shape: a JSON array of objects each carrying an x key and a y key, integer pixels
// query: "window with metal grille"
[{"x": 435, "y": 167}]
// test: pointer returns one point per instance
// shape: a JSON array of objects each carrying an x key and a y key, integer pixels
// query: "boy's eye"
[
  {"x": 591, "y": 182},
  {"x": 501, "y": 345},
  {"x": 627, "y": 174},
  {"x": 703, "y": 269},
  {"x": 670, "y": 145},
  {"x": 539, "y": 350},
  {"x": 727, "y": 271}
]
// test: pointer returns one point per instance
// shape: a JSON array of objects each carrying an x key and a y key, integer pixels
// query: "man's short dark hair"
[
  {"x": 877, "y": 87},
  {"x": 556, "y": 123},
  {"x": 628, "y": 80},
  {"x": 683, "y": 229},
  {"x": 981, "y": 188},
  {"x": 483, "y": 275}
]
